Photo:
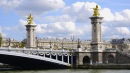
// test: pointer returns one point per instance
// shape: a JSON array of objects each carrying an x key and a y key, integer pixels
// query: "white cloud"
[
  {"x": 39, "y": 7},
  {"x": 9, "y": 4},
  {"x": 36, "y": 7},
  {"x": 126, "y": 13},
  {"x": 60, "y": 18},
  {"x": 58, "y": 29},
  {"x": 104, "y": 29},
  {"x": 62, "y": 27},
  {"x": 66, "y": 24},
  {"x": 12, "y": 28},
  {"x": 40, "y": 28},
  {"x": 22, "y": 22},
  {"x": 3, "y": 34},
  {"x": 107, "y": 14},
  {"x": 80, "y": 11},
  {"x": 123, "y": 30},
  {"x": 74, "y": 19}
]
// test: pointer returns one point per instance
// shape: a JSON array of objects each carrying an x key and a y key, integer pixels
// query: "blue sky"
[{"x": 64, "y": 18}]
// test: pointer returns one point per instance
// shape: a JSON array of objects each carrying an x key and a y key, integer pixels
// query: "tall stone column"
[
  {"x": 96, "y": 43},
  {"x": 30, "y": 28}
]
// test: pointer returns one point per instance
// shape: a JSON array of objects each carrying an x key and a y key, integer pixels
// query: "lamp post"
[
  {"x": 50, "y": 44},
  {"x": 43, "y": 44},
  {"x": 9, "y": 40},
  {"x": 37, "y": 41},
  {"x": 72, "y": 38},
  {"x": 62, "y": 44},
  {"x": 78, "y": 46}
]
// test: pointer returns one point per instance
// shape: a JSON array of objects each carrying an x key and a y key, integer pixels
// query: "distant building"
[
  {"x": 10, "y": 42},
  {"x": 122, "y": 44},
  {"x": 54, "y": 43}
]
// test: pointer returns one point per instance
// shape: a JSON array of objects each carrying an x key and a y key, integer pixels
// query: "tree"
[
  {"x": 0, "y": 39},
  {"x": 22, "y": 44}
]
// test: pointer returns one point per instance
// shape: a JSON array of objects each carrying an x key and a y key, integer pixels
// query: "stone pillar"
[
  {"x": 96, "y": 42},
  {"x": 96, "y": 32},
  {"x": 30, "y": 40}
]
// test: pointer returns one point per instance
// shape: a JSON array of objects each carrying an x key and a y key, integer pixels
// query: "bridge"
[
  {"x": 37, "y": 58},
  {"x": 30, "y": 58}
]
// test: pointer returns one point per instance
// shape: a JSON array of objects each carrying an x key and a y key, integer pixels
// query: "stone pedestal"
[{"x": 30, "y": 40}]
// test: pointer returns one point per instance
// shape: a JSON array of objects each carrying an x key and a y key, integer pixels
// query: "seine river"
[{"x": 68, "y": 71}]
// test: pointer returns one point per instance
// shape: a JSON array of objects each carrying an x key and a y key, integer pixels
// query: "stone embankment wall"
[{"x": 107, "y": 66}]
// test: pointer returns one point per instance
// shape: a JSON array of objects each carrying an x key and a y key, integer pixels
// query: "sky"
[{"x": 64, "y": 18}]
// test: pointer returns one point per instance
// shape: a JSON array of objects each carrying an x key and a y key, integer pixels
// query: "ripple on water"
[{"x": 68, "y": 71}]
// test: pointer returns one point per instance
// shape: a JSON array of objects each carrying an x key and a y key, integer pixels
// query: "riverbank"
[{"x": 111, "y": 66}]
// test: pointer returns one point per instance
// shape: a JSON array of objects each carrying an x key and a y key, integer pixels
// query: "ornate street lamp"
[
  {"x": 62, "y": 44},
  {"x": 72, "y": 38},
  {"x": 9, "y": 40},
  {"x": 78, "y": 46},
  {"x": 50, "y": 44},
  {"x": 37, "y": 41}
]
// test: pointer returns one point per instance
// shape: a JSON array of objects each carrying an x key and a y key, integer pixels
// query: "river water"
[{"x": 68, "y": 71}]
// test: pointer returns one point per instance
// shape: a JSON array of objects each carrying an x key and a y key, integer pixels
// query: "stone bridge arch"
[
  {"x": 111, "y": 58},
  {"x": 86, "y": 60},
  {"x": 83, "y": 58}
]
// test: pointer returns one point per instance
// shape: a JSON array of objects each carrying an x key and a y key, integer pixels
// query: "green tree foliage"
[
  {"x": 22, "y": 44},
  {"x": 0, "y": 39}
]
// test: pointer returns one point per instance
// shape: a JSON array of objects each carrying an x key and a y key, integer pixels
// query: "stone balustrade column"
[
  {"x": 68, "y": 58},
  {"x": 50, "y": 55},
  {"x": 62, "y": 57},
  {"x": 44, "y": 54},
  {"x": 56, "y": 56}
]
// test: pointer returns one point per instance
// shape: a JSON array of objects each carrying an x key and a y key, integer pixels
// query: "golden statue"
[
  {"x": 96, "y": 13},
  {"x": 30, "y": 19}
]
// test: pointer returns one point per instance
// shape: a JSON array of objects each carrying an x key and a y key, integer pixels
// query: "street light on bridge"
[
  {"x": 37, "y": 41},
  {"x": 50, "y": 44},
  {"x": 9, "y": 40},
  {"x": 62, "y": 44},
  {"x": 72, "y": 38}
]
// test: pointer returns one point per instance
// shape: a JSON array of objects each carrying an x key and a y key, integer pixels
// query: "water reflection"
[
  {"x": 95, "y": 71},
  {"x": 68, "y": 71}
]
